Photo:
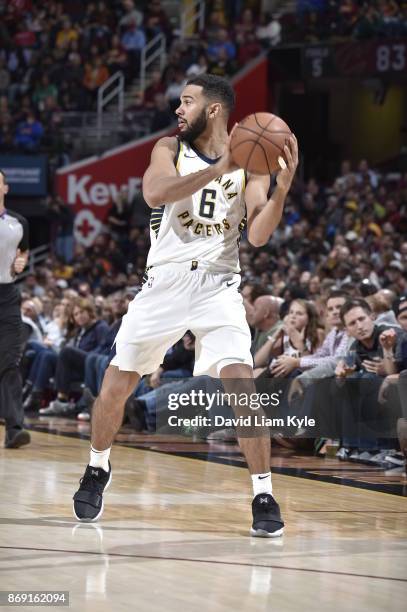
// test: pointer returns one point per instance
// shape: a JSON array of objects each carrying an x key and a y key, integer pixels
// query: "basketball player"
[
  {"x": 200, "y": 200},
  {"x": 13, "y": 259}
]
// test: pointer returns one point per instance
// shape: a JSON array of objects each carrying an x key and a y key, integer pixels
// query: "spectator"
[
  {"x": 222, "y": 42},
  {"x": 116, "y": 58},
  {"x": 215, "y": 24},
  {"x": 137, "y": 118},
  {"x": 40, "y": 358},
  {"x": 157, "y": 21},
  {"x": 174, "y": 90},
  {"x": 249, "y": 49},
  {"x": 245, "y": 26},
  {"x": 156, "y": 87},
  {"x": 96, "y": 362},
  {"x": 163, "y": 117},
  {"x": 4, "y": 78},
  {"x": 43, "y": 91},
  {"x": 29, "y": 315},
  {"x": 268, "y": 32},
  {"x": 264, "y": 317},
  {"x": 120, "y": 214},
  {"x": 133, "y": 41},
  {"x": 381, "y": 304},
  {"x": 131, "y": 15},
  {"x": 299, "y": 336},
  {"x": 95, "y": 75},
  {"x": 89, "y": 335},
  {"x": 334, "y": 344},
  {"x": 28, "y": 134},
  {"x": 199, "y": 67},
  {"x": 62, "y": 219},
  {"x": 66, "y": 35}
]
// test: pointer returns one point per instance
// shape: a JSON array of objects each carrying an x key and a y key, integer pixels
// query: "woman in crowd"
[
  {"x": 40, "y": 357},
  {"x": 299, "y": 336},
  {"x": 88, "y": 335}
]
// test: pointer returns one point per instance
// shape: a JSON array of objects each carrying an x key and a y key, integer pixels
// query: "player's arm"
[
  {"x": 161, "y": 183},
  {"x": 264, "y": 215}
]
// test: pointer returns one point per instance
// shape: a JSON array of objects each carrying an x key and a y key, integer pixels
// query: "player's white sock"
[
  {"x": 100, "y": 458},
  {"x": 262, "y": 483}
]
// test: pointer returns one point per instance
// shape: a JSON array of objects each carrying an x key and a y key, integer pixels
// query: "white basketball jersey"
[{"x": 205, "y": 227}]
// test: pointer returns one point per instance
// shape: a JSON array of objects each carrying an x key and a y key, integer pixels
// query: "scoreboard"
[{"x": 355, "y": 59}]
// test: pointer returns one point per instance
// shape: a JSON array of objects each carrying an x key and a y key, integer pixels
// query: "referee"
[{"x": 13, "y": 259}]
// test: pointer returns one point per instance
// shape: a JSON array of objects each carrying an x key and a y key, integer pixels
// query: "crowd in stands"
[
  {"x": 339, "y": 252},
  {"x": 339, "y": 20},
  {"x": 346, "y": 242},
  {"x": 55, "y": 55}
]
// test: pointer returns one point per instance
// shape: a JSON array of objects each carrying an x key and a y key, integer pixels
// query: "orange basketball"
[{"x": 258, "y": 141}]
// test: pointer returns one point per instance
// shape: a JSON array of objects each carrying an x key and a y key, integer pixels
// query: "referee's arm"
[{"x": 22, "y": 253}]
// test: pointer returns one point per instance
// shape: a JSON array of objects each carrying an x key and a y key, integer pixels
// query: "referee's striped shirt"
[{"x": 13, "y": 236}]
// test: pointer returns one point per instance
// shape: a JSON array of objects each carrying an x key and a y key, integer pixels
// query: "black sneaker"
[
  {"x": 88, "y": 499},
  {"x": 267, "y": 521},
  {"x": 16, "y": 438}
]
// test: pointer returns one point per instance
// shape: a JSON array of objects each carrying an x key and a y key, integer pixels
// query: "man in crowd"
[{"x": 370, "y": 357}]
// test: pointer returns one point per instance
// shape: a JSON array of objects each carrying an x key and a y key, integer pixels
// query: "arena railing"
[
  {"x": 153, "y": 52},
  {"x": 112, "y": 89}
]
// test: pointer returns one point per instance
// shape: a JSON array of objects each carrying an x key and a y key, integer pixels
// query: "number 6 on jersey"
[{"x": 208, "y": 201}]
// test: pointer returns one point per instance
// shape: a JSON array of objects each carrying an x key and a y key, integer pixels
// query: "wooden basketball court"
[{"x": 175, "y": 531}]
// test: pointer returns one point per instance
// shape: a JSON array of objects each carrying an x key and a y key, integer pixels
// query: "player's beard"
[{"x": 195, "y": 129}]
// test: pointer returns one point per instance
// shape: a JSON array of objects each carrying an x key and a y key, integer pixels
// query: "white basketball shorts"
[{"x": 175, "y": 299}]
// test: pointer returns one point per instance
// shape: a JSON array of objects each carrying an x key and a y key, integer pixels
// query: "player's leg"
[
  {"x": 238, "y": 379},
  {"x": 150, "y": 327},
  {"x": 108, "y": 409},
  {"x": 223, "y": 349},
  {"x": 107, "y": 417},
  {"x": 254, "y": 441}
]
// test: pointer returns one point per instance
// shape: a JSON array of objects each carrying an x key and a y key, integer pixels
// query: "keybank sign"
[
  {"x": 83, "y": 189},
  {"x": 91, "y": 186}
]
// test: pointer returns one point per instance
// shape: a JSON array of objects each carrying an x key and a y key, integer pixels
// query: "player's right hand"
[{"x": 226, "y": 164}]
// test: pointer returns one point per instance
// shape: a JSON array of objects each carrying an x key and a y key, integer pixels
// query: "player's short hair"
[
  {"x": 4, "y": 176},
  {"x": 216, "y": 89},
  {"x": 355, "y": 303}
]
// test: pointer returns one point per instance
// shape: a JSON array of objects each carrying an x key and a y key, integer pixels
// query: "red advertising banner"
[{"x": 90, "y": 185}]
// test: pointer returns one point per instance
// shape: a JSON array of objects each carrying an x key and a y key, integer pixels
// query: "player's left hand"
[
  {"x": 226, "y": 164},
  {"x": 20, "y": 261},
  {"x": 286, "y": 175}
]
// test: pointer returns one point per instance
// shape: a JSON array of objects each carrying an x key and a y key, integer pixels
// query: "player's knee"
[
  {"x": 117, "y": 385},
  {"x": 236, "y": 371}
]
